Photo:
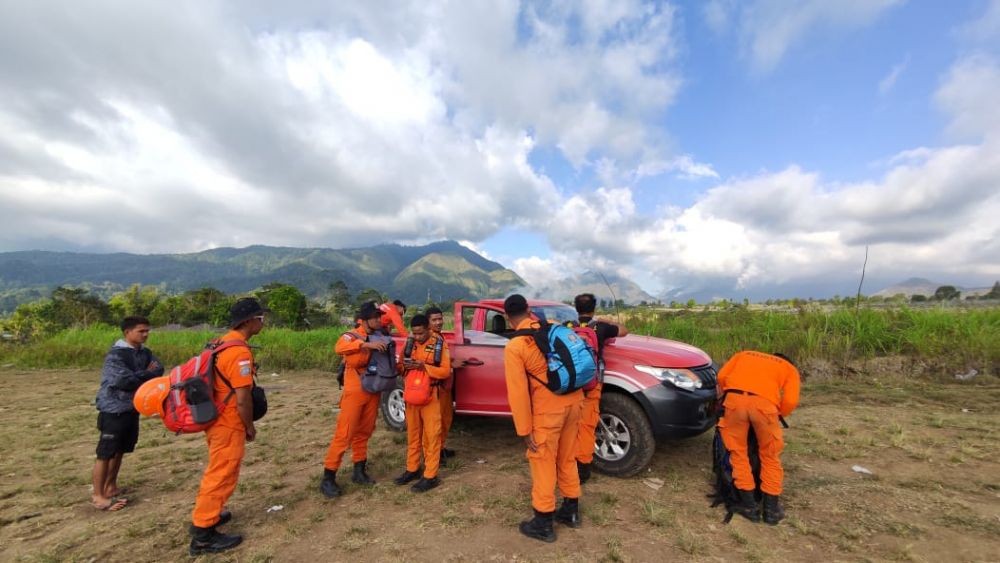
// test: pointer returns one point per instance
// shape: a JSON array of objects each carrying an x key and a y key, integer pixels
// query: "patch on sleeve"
[{"x": 347, "y": 336}]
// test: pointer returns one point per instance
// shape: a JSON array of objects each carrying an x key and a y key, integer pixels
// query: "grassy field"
[
  {"x": 932, "y": 448},
  {"x": 950, "y": 338}
]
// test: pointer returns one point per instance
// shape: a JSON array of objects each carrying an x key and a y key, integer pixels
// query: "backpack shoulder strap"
[{"x": 217, "y": 346}]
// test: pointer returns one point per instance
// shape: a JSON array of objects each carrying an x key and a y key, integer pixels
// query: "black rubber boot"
[
  {"x": 328, "y": 486},
  {"x": 425, "y": 484},
  {"x": 583, "y": 469},
  {"x": 773, "y": 511},
  {"x": 360, "y": 476},
  {"x": 539, "y": 527},
  {"x": 406, "y": 477},
  {"x": 224, "y": 517},
  {"x": 748, "y": 507},
  {"x": 446, "y": 453},
  {"x": 569, "y": 513},
  {"x": 208, "y": 540}
]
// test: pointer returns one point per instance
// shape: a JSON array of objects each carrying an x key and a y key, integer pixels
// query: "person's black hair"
[
  {"x": 419, "y": 320},
  {"x": 128, "y": 323},
  {"x": 585, "y": 303},
  {"x": 515, "y": 305},
  {"x": 433, "y": 311},
  {"x": 399, "y": 303},
  {"x": 784, "y": 357}
]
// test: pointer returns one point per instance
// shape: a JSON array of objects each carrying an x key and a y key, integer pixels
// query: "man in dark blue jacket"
[{"x": 128, "y": 365}]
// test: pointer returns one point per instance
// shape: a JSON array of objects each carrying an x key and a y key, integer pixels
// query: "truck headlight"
[{"x": 679, "y": 377}]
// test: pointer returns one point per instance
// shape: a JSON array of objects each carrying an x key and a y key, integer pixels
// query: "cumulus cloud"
[
  {"x": 234, "y": 123},
  {"x": 933, "y": 211},
  {"x": 767, "y": 29}
]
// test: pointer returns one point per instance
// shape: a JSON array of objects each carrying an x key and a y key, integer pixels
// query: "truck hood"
[{"x": 652, "y": 351}]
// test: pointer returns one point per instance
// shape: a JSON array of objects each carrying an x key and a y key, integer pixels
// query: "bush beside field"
[{"x": 963, "y": 337}]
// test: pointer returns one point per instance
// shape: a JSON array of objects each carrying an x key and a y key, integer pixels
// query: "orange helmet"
[{"x": 149, "y": 397}]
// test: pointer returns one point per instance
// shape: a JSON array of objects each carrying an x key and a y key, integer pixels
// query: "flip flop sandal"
[{"x": 114, "y": 505}]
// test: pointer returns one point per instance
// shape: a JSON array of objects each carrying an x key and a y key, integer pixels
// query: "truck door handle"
[{"x": 473, "y": 362}]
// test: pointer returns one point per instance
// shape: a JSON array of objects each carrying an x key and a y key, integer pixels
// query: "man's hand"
[
  {"x": 153, "y": 365},
  {"x": 380, "y": 346},
  {"x": 409, "y": 363},
  {"x": 529, "y": 441},
  {"x": 251, "y": 433}
]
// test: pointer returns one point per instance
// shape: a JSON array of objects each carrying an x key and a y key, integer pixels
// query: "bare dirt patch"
[{"x": 931, "y": 446}]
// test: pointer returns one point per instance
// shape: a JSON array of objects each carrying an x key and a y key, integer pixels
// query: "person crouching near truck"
[
  {"x": 358, "y": 408},
  {"x": 757, "y": 390},
  {"x": 426, "y": 366},
  {"x": 548, "y": 424}
]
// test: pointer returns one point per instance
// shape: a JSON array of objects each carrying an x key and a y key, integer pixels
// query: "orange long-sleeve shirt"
[
  {"x": 424, "y": 352},
  {"x": 765, "y": 375},
  {"x": 237, "y": 365},
  {"x": 526, "y": 395},
  {"x": 355, "y": 357},
  {"x": 390, "y": 317}
]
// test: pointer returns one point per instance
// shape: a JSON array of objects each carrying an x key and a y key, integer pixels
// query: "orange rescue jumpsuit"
[
  {"x": 591, "y": 412},
  {"x": 550, "y": 419},
  {"x": 757, "y": 387},
  {"x": 446, "y": 401},
  {"x": 358, "y": 408},
  {"x": 423, "y": 422},
  {"x": 226, "y": 438},
  {"x": 390, "y": 317}
]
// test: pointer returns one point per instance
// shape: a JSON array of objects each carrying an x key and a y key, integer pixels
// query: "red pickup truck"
[{"x": 653, "y": 387}]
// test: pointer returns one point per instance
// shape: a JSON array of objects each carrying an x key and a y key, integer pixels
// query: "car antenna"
[{"x": 613, "y": 298}]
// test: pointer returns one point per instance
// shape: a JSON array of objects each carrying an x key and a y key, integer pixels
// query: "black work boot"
[
  {"x": 208, "y": 540},
  {"x": 360, "y": 476},
  {"x": 773, "y": 511},
  {"x": 446, "y": 453},
  {"x": 328, "y": 486},
  {"x": 748, "y": 507},
  {"x": 425, "y": 484},
  {"x": 224, "y": 517},
  {"x": 569, "y": 513},
  {"x": 539, "y": 527},
  {"x": 406, "y": 477},
  {"x": 583, "y": 469}
]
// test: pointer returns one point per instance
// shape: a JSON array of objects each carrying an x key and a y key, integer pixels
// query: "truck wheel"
[
  {"x": 394, "y": 409},
  {"x": 625, "y": 443}
]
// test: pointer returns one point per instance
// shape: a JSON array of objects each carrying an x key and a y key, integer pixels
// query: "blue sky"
[{"x": 715, "y": 148}]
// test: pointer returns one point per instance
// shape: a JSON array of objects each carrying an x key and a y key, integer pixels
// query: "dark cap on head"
[
  {"x": 368, "y": 310},
  {"x": 245, "y": 309},
  {"x": 515, "y": 305}
]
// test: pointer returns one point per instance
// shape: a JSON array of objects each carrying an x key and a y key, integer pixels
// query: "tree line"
[{"x": 70, "y": 307}]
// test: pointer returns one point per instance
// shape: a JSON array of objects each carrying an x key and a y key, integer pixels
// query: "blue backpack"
[{"x": 572, "y": 363}]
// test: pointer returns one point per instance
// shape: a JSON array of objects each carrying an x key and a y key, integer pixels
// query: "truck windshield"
[{"x": 555, "y": 314}]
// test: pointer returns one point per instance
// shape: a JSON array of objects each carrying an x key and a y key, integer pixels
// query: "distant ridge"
[{"x": 442, "y": 271}]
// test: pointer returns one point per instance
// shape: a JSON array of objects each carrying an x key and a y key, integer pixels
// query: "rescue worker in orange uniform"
[
  {"x": 756, "y": 389},
  {"x": 228, "y": 436},
  {"x": 423, "y": 422},
  {"x": 358, "y": 408},
  {"x": 436, "y": 319},
  {"x": 586, "y": 305},
  {"x": 392, "y": 318},
  {"x": 548, "y": 424}
]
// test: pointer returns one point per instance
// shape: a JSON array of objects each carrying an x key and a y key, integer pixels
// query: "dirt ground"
[{"x": 932, "y": 447}]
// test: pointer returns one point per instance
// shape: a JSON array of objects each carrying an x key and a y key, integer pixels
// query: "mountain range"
[
  {"x": 926, "y": 287},
  {"x": 440, "y": 271}
]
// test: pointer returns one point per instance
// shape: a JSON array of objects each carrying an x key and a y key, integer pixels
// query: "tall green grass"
[
  {"x": 968, "y": 336},
  {"x": 275, "y": 348},
  {"x": 962, "y": 336}
]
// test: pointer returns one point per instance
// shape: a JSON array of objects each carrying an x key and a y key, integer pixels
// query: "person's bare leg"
[
  {"x": 111, "y": 479},
  {"x": 100, "y": 478}
]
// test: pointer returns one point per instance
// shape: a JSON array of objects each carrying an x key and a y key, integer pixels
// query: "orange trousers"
[
  {"x": 225, "y": 453},
  {"x": 554, "y": 462},
  {"x": 355, "y": 425},
  {"x": 586, "y": 435},
  {"x": 742, "y": 412},
  {"x": 423, "y": 433},
  {"x": 447, "y": 413}
]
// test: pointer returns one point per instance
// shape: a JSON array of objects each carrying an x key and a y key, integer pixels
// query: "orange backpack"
[{"x": 416, "y": 383}]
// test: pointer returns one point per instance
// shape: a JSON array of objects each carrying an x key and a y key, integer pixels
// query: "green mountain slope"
[{"x": 446, "y": 270}]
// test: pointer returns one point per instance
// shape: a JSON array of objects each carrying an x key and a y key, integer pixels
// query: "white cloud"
[
  {"x": 769, "y": 28},
  {"x": 888, "y": 82},
  {"x": 969, "y": 95}
]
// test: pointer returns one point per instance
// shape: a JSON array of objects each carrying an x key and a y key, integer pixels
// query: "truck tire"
[
  {"x": 625, "y": 443},
  {"x": 394, "y": 409}
]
